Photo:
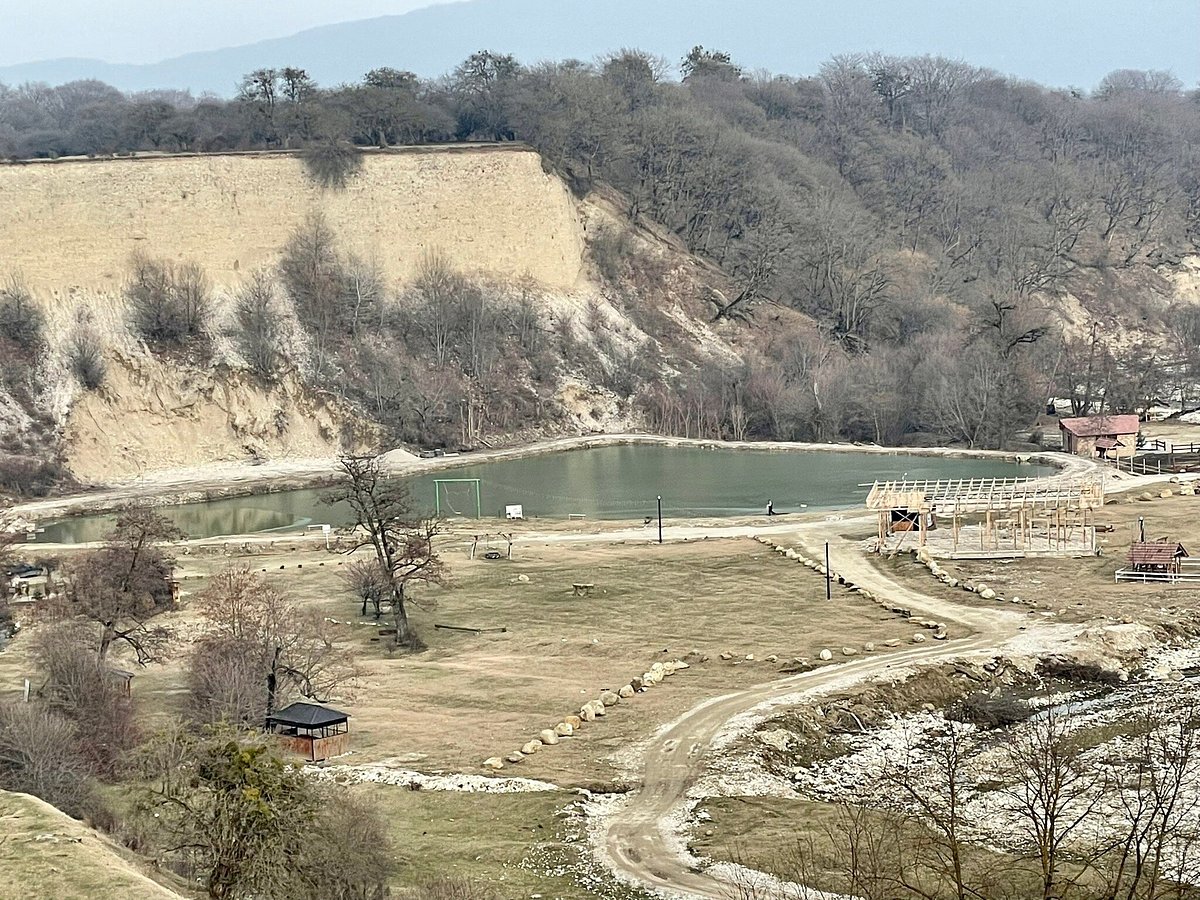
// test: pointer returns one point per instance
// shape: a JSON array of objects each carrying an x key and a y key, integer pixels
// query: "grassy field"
[{"x": 469, "y": 697}]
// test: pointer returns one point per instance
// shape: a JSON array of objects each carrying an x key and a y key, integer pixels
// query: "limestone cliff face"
[
  {"x": 74, "y": 224},
  {"x": 154, "y": 415}
]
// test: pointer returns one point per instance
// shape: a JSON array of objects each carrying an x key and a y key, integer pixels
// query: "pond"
[{"x": 620, "y": 482}]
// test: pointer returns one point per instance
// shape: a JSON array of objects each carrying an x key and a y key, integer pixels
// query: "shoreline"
[{"x": 214, "y": 481}]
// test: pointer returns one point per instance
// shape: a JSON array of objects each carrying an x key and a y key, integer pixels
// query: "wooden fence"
[{"x": 1189, "y": 573}]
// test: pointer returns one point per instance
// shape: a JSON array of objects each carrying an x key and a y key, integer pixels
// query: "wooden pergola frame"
[{"x": 1023, "y": 506}]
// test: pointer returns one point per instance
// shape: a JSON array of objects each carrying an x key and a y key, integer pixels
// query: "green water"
[{"x": 602, "y": 483}]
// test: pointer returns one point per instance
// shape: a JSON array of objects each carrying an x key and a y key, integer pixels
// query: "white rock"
[
  {"x": 493, "y": 762},
  {"x": 826, "y": 654},
  {"x": 548, "y": 736}
]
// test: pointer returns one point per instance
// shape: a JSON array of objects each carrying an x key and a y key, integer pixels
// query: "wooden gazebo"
[
  {"x": 315, "y": 732},
  {"x": 1160, "y": 557}
]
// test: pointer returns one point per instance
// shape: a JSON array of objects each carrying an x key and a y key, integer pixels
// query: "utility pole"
[
  {"x": 660, "y": 518},
  {"x": 828, "y": 580}
]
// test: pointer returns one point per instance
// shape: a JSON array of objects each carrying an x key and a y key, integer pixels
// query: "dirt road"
[{"x": 640, "y": 843}]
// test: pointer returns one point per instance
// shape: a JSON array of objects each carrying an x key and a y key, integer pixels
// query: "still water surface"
[{"x": 602, "y": 483}]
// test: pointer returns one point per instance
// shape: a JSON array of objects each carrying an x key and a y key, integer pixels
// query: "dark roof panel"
[{"x": 308, "y": 715}]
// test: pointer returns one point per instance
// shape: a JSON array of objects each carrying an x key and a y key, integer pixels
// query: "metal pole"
[
  {"x": 828, "y": 581},
  {"x": 660, "y": 518}
]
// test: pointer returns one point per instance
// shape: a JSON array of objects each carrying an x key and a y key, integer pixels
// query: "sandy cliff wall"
[{"x": 72, "y": 225}]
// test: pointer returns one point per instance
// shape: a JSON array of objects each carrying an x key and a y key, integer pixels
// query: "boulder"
[
  {"x": 493, "y": 762},
  {"x": 659, "y": 668},
  {"x": 587, "y": 714},
  {"x": 749, "y": 657},
  {"x": 610, "y": 698},
  {"x": 940, "y": 635},
  {"x": 1164, "y": 494},
  {"x": 523, "y": 579},
  {"x": 918, "y": 638},
  {"x": 865, "y": 594},
  {"x": 726, "y": 655},
  {"x": 892, "y": 642},
  {"x": 987, "y": 594},
  {"x": 548, "y": 736},
  {"x": 515, "y": 758},
  {"x": 826, "y": 654},
  {"x": 637, "y": 684},
  {"x": 573, "y": 721},
  {"x": 868, "y": 647},
  {"x": 531, "y": 748},
  {"x": 598, "y": 709},
  {"x": 772, "y": 658},
  {"x": 626, "y": 692},
  {"x": 680, "y": 665},
  {"x": 849, "y": 651},
  {"x": 563, "y": 729},
  {"x": 791, "y": 554}
]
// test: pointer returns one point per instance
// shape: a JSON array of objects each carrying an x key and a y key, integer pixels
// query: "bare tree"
[
  {"x": 1053, "y": 792},
  {"x": 126, "y": 583},
  {"x": 368, "y": 583},
  {"x": 38, "y": 756},
  {"x": 401, "y": 538},
  {"x": 1159, "y": 798},
  {"x": 260, "y": 646},
  {"x": 257, "y": 315},
  {"x": 87, "y": 693}
]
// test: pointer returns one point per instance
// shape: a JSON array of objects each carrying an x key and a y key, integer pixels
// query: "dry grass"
[
  {"x": 45, "y": 854},
  {"x": 513, "y": 845},
  {"x": 806, "y": 841},
  {"x": 469, "y": 697}
]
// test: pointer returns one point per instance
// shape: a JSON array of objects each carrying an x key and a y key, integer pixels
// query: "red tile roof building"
[{"x": 1106, "y": 436}]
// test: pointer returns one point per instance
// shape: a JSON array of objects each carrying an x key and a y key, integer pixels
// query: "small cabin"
[
  {"x": 312, "y": 731},
  {"x": 1106, "y": 437},
  {"x": 1159, "y": 557}
]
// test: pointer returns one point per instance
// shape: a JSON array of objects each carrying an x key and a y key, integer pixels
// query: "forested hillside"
[{"x": 913, "y": 249}]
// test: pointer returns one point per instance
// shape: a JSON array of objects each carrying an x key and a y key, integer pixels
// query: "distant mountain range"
[{"x": 1066, "y": 42}]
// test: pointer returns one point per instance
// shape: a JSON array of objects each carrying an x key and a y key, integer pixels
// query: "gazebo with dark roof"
[{"x": 315, "y": 732}]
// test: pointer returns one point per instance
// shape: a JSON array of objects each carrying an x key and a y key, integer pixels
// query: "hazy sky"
[
  {"x": 141, "y": 31},
  {"x": 1058, "y": 42}
]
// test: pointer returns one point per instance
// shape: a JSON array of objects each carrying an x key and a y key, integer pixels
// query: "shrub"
[
  {"x": 20, "y": 319},
  {"x": 259, "y": 333},
  {"x": 38, "y": 756},
  {"x": 170, "y": 305},
  {"x": 85, "y": 359},
  {"x": 986, "y": 711},
  {"x": 331, "y": 163},
  {"x": 85, "y": 692}
]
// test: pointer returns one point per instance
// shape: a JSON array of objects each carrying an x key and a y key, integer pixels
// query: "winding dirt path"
[{"x": 640, "y": 843}]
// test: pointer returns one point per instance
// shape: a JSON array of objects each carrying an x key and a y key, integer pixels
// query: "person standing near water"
[{"x": 770, "y": 507}]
